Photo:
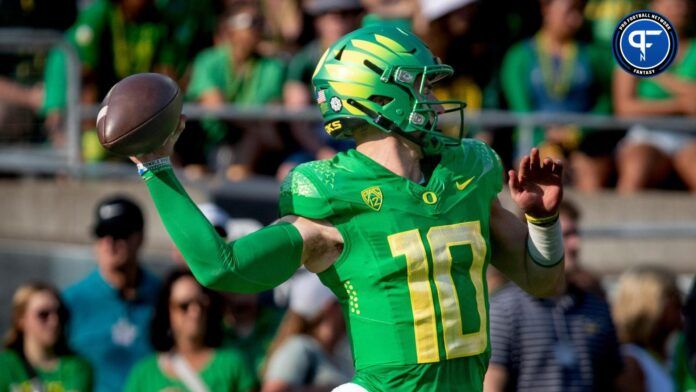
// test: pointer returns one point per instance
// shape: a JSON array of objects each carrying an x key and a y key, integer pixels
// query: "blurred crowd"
[
  {"x": 547, "y": 56},
  {"x": 122, "y": 328}
]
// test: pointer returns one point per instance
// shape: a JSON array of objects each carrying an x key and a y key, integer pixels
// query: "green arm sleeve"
[{"x": 254, "y": 263}]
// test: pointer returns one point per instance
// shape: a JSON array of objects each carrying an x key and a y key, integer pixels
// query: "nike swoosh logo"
[{"x": 464, "y": 184}]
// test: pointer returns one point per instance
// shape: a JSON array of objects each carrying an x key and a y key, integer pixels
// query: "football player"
[{"x": 401, "y": 229}]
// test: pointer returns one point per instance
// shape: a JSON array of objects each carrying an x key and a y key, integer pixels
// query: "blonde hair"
[
  {"x": 14, "y": 338},
  {"x": 641, "y": 296}
]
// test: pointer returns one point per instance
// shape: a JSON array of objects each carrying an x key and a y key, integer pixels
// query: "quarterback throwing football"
[{"x": 401, "y": 229}]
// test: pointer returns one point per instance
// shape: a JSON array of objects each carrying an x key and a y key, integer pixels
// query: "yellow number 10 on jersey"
[{"x": 441, "y": 239}]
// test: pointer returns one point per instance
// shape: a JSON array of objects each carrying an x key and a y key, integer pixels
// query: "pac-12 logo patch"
[
  {"x": 372, "y": 196},
  {"x": 645, "y": 43}
]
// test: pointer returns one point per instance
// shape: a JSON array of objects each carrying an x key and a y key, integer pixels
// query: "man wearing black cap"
[{"x": 111, "y": 308}]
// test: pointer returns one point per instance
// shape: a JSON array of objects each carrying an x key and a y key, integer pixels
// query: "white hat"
[
  {"x": 239, "y": 227},
  {"x": 308, "y": 296},
  {"x": 215, "y": 215},
  {"x": 434, "y": 9}
]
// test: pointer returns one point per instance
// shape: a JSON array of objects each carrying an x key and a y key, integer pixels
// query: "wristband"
[
  {"x": 545, "y": 244},
  {"x": 547, "y": 221},
  {"x": 154, "y": 166}
]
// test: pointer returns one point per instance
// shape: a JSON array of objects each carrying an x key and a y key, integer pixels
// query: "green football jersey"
[{"x": 411, "y": 278}]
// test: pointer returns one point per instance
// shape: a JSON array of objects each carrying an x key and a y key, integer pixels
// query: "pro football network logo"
[{"x": 645, "y": 43}]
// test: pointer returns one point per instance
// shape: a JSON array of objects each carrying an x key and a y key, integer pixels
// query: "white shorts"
[
  {"x": 668, "y": 142},
  {"x": 349, "y": 387}
]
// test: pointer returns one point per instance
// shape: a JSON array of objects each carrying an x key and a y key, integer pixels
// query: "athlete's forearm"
[
  {"x": 510, "y": 254},
  {"x": 256, "y": 262}
]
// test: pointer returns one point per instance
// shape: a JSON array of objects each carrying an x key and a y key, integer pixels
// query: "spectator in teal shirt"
[{"x": 111, "y": 308}]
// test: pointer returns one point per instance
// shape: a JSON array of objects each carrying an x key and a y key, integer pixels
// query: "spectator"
[
  {"x": 570, "y": 216},
  {"x": 186, "y": 332},
  {"x": 284, "y": 25},
  {"x": 250, "y": 326},
  {"x": 452, "y": 35},
  {"x": 190, "y": 26},
  {"x": 604, "y": 15},
  {"x": 111, "y": 308},
  {"x": 234, "y": 72},
  {"x": 310, "y": 350},
  {"x": 567, "y": 343},
  {"x": 332, "y": 20},
  {"x": 114, "y": 39},
  {"x": 37, "y": 357},
  {"x": 21, "y": 92},
  {"x": 647, "y": 156},
  {"x": 449, "y": 36},
  {"x": 646, "y": 309},
  {"x": 399, "y": 13},
  {"x": 554, "y": 72},
  {"x": 685, "y": 355}
]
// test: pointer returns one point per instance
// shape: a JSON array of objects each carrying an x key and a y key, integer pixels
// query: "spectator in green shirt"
[
  {"x": 113, "y": 39},
  {"x": 186, "y": 331},
  {"x": 190, "y": 26},
  {"x": 554, "y": 72},
  {"x": 234, "y": 72},
  {"x": 648, "y": 156},
  {"x": 21, "y": 92},
  {"x": 37, "y": 357}
]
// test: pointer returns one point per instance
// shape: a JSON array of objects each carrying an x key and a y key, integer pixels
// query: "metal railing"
[
  {"x": 24, "y": 159},
  {"x": 526, "y": 122},
  {"x": 68, "y": 160}
]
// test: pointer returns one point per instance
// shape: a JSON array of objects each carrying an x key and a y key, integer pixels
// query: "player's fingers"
[
  {"x": 512, "y": 180},
  {"x": 547, "y": 164},
  {"x": 558, "y": 167},
  {"x": 535, "y": 161},
  {"x": 523, "y": 171}
]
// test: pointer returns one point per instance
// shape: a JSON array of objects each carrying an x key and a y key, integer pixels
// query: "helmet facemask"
[
  {"x": 423, "y": 122},
  {"x": 421, "y": 125}
]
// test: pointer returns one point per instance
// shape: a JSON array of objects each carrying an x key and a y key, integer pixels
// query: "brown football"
[{"x": 139, "y": 113}]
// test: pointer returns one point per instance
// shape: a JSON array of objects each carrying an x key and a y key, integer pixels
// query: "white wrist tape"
[
  {"x": 153, "y": 166},
  {"x": 545, "y": 244}
]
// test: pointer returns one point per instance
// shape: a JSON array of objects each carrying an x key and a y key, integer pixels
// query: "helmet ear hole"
[
  {"x": 339, "y": 54},
  {"x": 381, "y": 100},
  {"x": 374, "y": 67}
]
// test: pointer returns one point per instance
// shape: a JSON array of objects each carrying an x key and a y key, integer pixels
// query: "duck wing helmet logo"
[{"x": 372, "y": 196}]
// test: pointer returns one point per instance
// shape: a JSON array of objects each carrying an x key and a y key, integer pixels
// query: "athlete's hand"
[
  {"x": 166, "y": 149},
  {"x": 537, "y": 187}
]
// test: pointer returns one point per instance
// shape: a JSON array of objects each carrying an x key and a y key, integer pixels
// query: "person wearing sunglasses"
[
  {"x": 186, "y": 331},
  {"x": 36, "y": 355}
]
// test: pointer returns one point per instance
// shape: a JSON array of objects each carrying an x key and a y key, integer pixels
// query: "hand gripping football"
[{"x": 139, "y": 113}]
